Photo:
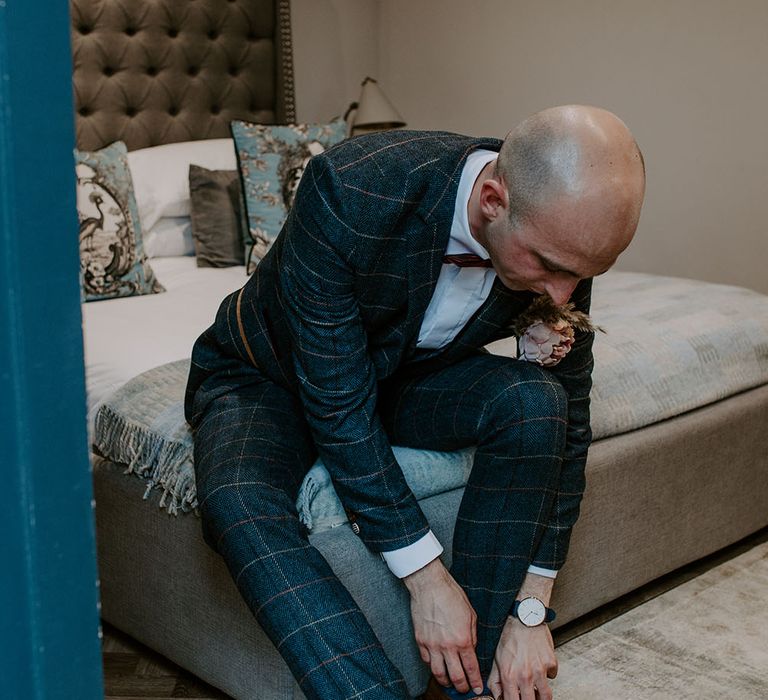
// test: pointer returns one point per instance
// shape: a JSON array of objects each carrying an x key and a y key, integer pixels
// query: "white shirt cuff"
[
  {"x": 549, "y": 573},
  {"x": 404, "y": 561}
]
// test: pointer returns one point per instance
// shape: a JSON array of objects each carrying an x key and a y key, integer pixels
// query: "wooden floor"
[{"x": 134, "y": 672}]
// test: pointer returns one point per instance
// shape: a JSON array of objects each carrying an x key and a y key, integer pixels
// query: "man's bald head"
[{"x": 580, "y": 163}]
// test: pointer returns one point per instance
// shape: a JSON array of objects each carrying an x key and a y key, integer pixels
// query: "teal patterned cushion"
[
  {"x": 271, "y": 161},
  {"x": 112, "y": 258}
]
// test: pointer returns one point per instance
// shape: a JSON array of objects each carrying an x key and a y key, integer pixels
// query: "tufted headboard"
[{"x": 150, "y": 72}]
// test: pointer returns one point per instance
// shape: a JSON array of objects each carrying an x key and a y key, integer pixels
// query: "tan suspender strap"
[{"x": 242, "y": 330}]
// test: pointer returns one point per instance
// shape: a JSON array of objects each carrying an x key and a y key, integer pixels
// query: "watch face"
[{"x": 531, "y": 612}]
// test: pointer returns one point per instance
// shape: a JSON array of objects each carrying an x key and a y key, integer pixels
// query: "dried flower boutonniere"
[{"x": 546, "y": 331}]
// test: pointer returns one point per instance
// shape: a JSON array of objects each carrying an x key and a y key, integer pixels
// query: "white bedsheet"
[{"x": 124, "y": 337}]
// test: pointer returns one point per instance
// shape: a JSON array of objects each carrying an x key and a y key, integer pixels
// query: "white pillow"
[
  {"x": 169, "y": 238},
  {"x": 160, "y": 175}
]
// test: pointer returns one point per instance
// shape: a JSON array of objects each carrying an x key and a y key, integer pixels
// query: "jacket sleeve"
[
  {"x": 337, "y": 380},
  {"x": 575, "y": 374}
]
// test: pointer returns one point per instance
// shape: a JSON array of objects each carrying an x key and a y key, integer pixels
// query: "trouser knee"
[{"x": 527, "y": 406}]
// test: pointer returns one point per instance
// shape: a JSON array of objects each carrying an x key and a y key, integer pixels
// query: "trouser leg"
[
  {"x": 516, "y": 415},
  {"x": 252, "y": 450}
]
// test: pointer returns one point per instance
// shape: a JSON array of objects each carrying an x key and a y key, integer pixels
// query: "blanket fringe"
[{"x": 165, "y": 464}]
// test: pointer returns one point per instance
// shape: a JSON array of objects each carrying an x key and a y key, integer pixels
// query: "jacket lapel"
[{"x": 492, "y": 321}]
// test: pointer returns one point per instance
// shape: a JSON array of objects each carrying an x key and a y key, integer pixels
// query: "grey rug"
[{"x": 704, "y": 640}]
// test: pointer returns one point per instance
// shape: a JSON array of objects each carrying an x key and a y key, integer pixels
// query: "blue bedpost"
[{"x": 48, "y": 582}]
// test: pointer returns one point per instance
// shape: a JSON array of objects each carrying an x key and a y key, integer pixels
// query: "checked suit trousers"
[{"x": 253, "y": 448}]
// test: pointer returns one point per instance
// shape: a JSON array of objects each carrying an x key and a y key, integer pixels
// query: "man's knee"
[
  {"x": 235, "y": 512},
  {"x": 526, "y": 395}
]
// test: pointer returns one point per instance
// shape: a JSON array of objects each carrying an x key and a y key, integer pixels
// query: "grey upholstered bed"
[{"x": 151, "y": 72}]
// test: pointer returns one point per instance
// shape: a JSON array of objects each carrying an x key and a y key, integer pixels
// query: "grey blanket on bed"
[
  {"x": 143, "y": 426},
  {"x": 671, "y": 345}
]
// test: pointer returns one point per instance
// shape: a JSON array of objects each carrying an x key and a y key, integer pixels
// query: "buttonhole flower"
[{"x": 546, "y": 331}]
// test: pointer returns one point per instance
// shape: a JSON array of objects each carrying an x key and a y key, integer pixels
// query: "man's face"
[{"x": 547, "y": 255}]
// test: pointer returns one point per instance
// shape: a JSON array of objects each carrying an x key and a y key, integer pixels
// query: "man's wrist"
[
  {"x": 536, "y": 586},
  {"x": 426, "y": 578}
]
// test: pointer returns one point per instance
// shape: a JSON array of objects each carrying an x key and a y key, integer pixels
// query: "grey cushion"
[{"x": 218, "y": 220}]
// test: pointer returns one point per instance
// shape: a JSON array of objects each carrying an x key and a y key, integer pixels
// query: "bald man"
[{"x": 404, "y": 254}]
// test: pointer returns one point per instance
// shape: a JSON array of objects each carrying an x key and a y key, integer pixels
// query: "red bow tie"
[{"x": 467, "y": 260}]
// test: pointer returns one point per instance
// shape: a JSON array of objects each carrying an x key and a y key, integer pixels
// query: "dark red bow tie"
[{"x": 467, "y": 260}]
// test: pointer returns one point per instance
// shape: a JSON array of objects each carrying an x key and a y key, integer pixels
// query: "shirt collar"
[{"x": 461, "y": 240}]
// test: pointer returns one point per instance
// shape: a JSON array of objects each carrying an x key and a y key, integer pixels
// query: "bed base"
[{"x": 657, "y": 498}]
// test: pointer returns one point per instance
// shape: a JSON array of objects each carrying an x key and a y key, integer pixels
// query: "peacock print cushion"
[
  {"x": 271, "y": 161},
  {"x": 112, "y": 258}
]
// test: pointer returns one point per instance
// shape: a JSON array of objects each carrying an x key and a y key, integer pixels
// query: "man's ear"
[{"x": 494, "y": 199}]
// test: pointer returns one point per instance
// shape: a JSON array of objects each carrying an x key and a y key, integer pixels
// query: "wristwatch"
[{"x": 532, "y": 612}]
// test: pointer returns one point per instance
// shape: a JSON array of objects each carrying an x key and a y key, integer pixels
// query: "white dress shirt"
[{"x": 460, "y": 291}]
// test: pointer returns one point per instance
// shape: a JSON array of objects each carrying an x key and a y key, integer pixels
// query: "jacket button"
[{"x": 352, "y": 517}]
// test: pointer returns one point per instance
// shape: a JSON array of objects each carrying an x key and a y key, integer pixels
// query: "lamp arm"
[{"x": 352, "y": 107}]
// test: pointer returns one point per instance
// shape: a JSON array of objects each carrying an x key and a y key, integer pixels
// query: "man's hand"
[
  {"x": 445, "y": 627},
  {"x": 524, "y": 659}
]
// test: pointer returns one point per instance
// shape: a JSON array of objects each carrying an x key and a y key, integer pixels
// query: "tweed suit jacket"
[{"x": 336, "y": 306}]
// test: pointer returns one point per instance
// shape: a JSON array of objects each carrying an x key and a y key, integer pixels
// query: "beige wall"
[
  {"x": 688, "y": 76},
  {"x": 335, "y": 45}
]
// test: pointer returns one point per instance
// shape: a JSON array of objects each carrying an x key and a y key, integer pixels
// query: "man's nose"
[{"x": 560, "y": 290}]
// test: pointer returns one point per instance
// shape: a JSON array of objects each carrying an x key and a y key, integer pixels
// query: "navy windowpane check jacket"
[{"x": 336, "y": 306}]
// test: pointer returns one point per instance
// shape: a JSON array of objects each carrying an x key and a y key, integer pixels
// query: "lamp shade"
[{"x": 374, "y": 110}]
